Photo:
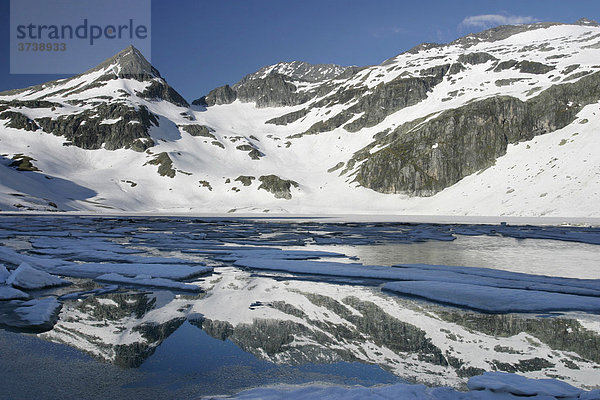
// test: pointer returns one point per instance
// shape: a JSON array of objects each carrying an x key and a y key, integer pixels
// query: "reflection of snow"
[{"x": 279, "y": 314}]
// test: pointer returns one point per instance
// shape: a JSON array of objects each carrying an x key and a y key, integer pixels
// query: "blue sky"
[{"x": 199, "y": 45}]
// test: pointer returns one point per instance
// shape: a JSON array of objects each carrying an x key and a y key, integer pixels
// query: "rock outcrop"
[{"x": 422, "y": 159}]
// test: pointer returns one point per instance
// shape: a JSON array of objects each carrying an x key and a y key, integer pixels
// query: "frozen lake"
[{"x": 188, "y": 307}]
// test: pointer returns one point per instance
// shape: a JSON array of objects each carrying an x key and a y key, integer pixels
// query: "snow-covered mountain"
[{"x": 502, "y": 122}]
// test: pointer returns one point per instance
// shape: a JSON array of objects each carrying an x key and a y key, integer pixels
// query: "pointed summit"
[{"x": 129, "y": 63}]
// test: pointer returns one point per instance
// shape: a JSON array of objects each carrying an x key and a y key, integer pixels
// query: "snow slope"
[{"x": 555, "y": 174}]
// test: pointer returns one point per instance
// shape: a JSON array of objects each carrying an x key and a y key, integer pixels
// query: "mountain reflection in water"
[{"x": 284, "y": 327}]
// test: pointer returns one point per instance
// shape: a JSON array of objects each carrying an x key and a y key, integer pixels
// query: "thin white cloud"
[{"x": 489, "y": 20}]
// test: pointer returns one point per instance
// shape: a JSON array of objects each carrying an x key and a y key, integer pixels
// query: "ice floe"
[
  {"x": 168, "y": 271},
  {"x": 10, "y": 293},
  {"x": 489, "y": 386},
  {"x": 38, "y": 311},
  {"x": 35, "y": 315},
  {"x": 493, "y": 299},
  {"x": 87, "y": 293},
  {"x": 26, "y": 277},
  {"x": 11, "y": 256},
  {"x": 502, "y": 382},
  {"x": 156, "y": 267},
  {"x": 487, "y": 290},
  {"x": 3, "y": 274},
  {"x": 273, "y": 253},
  {"x": 147, "y": 280},
  {"x": 328, "y": 268}
]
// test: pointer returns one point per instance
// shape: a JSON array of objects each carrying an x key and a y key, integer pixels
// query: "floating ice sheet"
[
  {"x": 3, "y": 274},
  {"x": 487, "y": 289},
  {"x": 493, "y": 299},
  {"x": 38, "y": 311},
  {"x": 501, "y": 382},
  {"x": 10, "y": 293},
  {"x": 147, "y": 280},
  {"x": 273, "y": 253},
  {"x": 26, "y": 277},
  {"x": 169, "y": 271},
  {"x": 489, "y": 386}
]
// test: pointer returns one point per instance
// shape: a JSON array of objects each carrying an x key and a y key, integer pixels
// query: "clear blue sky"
[{"x": 199, "y": 45}]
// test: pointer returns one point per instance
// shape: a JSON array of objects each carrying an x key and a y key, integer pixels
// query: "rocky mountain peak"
[
  {"x": 298, "y": 70},
  {"x": 275, "y": 85},
  {"x": 129, "y": 63}
]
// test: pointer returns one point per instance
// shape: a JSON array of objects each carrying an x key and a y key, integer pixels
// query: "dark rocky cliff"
[{"x": 468, "y": 138}]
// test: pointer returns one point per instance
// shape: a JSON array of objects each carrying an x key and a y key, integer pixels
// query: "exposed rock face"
[
  {"x": 274, "y": 90},
  {"x": 132, "y": 65},
  {"x": 161, "y": 91},
  {"x": 383, "y": 100},
  {"x": 199, "y": 130},
  {"x": 468, "y": 138},
  {"x": 165, "y": 164},
  {"x": 279, "y": 187},
  {"x": 476, "y": 58},
  {"x": 391, "y": 97},
  {"x": 288, "y": 118},
  {"x": 586, "y": 22},
  {"x": 19, "y": 121},
  {"x": 105, "y": 121},
  {"x": 528, "y": 67},
  {"x": 220, "y": 95},
  {"x": 272, "y": 86},
  {"x": 253, "y": 152},
  {"x": 127, "y": 64},
  {"x": 23, "y": 163},
  {"x": 28, "y": 104},
  {"x": 245, "y": 180},
  {"x": 113, "y": 124}
]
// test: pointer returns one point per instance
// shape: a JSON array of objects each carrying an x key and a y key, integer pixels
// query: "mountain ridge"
[{"x": 294, "y": 136}]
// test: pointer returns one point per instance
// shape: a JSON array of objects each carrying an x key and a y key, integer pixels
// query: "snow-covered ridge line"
[{"x": 124, "y": 141}]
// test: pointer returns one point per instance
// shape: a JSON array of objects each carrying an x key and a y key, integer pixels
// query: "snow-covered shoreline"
[{"x": 341, "y": 218}]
